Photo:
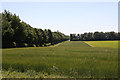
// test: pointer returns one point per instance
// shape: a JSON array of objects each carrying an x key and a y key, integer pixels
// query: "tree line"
[
  {"x": 17, "y": 33},
  {"x": 96, "y": 36}
]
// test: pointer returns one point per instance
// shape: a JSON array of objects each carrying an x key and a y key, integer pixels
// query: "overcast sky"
[{"x": 67, "y": 17}]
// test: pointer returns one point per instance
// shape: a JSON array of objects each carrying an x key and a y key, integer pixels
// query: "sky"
[
  {"x": 67, "y": 17},
  {"x": 60, "y": 0}
]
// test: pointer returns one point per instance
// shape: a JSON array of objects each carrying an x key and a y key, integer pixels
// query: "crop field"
[
  {"x": 109, "y": 44},
  {"x": 70, "y": 59}
]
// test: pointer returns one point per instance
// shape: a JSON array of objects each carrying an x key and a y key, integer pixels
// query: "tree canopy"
[
  {"x": 16, "y": 33},
  {"x": 96, "y": 36}
]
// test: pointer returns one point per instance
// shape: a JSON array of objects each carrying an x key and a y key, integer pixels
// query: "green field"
[
  {"x": 109, "y": 44},
  {"x": 68, "y": 59}
]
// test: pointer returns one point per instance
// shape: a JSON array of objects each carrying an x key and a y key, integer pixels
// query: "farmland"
[
  {"x": 65, "y": 60},
  {"x": 109, "y": 44}
]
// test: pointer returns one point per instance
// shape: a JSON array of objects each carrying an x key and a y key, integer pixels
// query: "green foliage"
[
  {"x": 15, "y": 33},
  {"x": 49, "y": 35},
  {"x": 96, "y": 36},
  {"x": 59, "y": 37}
]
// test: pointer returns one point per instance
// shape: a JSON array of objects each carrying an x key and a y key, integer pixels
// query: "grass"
[
  {"x": 66, "y": 60},
  {"x": 109, "y": 44}
]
